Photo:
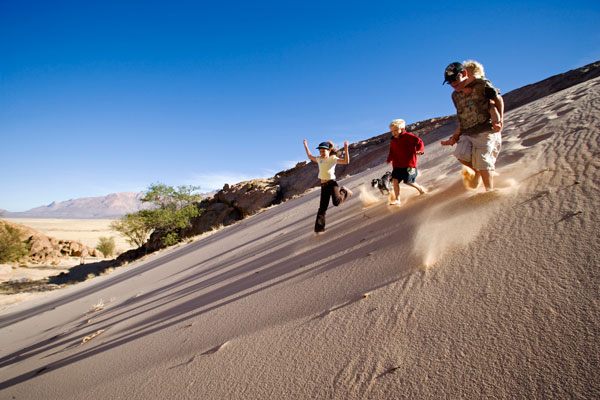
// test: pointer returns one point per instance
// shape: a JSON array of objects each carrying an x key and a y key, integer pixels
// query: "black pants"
[{"x": 329, "y": 189}]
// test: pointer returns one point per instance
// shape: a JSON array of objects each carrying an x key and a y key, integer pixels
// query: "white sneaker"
[{"x": 348, "y": 191}]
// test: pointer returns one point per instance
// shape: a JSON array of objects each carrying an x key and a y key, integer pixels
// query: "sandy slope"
[{"x": 453, "y": 295}]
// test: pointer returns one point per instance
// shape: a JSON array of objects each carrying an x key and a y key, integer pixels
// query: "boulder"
[
  {"x": 295, "y": 181},
  {"x": 48, "y": 250},
  {"x": 215, "y": 214},
  {"x": 249, "y": 197}
]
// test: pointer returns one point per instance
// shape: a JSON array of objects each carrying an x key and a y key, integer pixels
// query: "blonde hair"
[
  {"x": 399, "y": 123},
  {"x": 474, "y": 68}
]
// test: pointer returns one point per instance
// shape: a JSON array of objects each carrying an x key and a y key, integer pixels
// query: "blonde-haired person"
[
  {"x": 478, "y": 141},
  {"x": 327, "y": 161},
  {"x": 475, "y": 69},
  {"x": 404, "y": 149}
]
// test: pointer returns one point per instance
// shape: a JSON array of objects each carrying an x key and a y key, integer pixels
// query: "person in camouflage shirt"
[{"x": 478, "y": 142}]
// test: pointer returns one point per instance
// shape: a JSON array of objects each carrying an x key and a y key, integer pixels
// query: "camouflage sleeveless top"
[{"x": 473, "y": 110}]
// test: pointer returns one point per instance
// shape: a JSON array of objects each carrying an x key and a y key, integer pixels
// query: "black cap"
[
  {"x": 452, "y": 71},
  {"x": 324, "y": 145}
]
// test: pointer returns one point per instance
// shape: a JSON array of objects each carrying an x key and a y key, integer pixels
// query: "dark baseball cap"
[
  {"x": 324, "y": 145},
  {"x": 452, "y": 71}
]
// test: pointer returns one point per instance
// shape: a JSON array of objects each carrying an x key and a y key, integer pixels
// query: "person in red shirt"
[{"x": 404, "y": 149}]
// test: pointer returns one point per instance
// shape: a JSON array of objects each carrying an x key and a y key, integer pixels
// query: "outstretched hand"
[{"x": 449, "y": 142}]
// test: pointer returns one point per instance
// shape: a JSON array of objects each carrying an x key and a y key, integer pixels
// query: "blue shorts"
[{"x": 407, "y": 175}]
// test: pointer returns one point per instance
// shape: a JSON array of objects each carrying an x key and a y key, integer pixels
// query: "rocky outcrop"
[
  {"x": 249, "y": 197},
  {"x": 48, "y": 250},
  {"x": 215, "y": 214}
]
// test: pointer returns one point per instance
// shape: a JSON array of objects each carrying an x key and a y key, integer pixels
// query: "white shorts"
[{"x": 481, "y": 150}]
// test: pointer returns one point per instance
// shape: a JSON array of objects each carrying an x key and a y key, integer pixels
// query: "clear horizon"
[{"x": 100, "y": 98}]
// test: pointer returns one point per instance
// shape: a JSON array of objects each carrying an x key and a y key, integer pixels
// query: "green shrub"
[
  {"x": 106, "y": 246},
  {"x": 170, "y": 239},
  {"x": 12, "y": 248}
]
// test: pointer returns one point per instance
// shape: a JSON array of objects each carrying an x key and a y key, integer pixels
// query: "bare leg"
[
  {"x": 470, "y": 176},
  {"x": 488, "y": 179},
  {"x": 417, "y": 186},
  {"x": 396, "y": 191},
  {"x": 466, "y": 163}
]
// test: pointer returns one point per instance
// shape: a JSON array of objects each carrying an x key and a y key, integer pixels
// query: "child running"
[
  {"x": 327, "y": 161},
  {"x": 404, "y": 149}
]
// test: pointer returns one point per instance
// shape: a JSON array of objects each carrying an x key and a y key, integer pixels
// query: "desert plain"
[{"x": 86, "y": 231}]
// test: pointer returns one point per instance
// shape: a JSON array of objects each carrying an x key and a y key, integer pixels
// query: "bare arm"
[
  {"x": 346, "y": 159},
  {"x": 310, "y": 156},
  {"x": 453, "y": 139},
  {"x": 499, "y": 104}
]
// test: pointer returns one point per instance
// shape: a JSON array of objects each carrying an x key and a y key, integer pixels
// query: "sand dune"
[{"x": 455, "y": 294}]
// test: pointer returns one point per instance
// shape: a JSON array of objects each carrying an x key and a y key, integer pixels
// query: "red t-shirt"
[{"x": 404, "y": 149}]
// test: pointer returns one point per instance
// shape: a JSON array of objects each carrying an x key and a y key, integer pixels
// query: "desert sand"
[
  {"x": 457, "y": 294},
  {"x": 86, "y": 231}
]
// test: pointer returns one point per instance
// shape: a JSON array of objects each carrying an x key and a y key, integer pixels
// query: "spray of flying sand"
[
  {"x": 455, "y": 218},
  {"x": 452, "y": 217},
  {"x": 367, "y": 197}
]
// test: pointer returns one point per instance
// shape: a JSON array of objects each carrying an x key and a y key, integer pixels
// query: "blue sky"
[{"x": 112, "y": 96}]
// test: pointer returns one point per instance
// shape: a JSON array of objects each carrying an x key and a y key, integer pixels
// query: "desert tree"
[
  {"x": 135, "y": 227},
  {"x": 171, "y": 210}
]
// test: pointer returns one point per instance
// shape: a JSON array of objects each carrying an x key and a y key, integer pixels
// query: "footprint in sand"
[
  {"x": 191, "y": 360},
  {"x": 215, "y": 349},
  {"x": 577, "y": 96},
  {"x": 510, "y": 157},
  {"x": 536, "y": 139},
  {"x": 562, "y": 105},
  {"x": 566, "y": 111},
  {"x": 531, "y": 130}
]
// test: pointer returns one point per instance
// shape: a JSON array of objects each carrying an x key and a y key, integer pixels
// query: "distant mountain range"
[{"x": 112, "y": 206}]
